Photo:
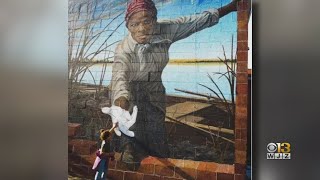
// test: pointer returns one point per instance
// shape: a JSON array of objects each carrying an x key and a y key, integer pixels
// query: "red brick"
[
  {"x": 239, "y": 168},
  {"x": 241, "y": 114},
  {"x": 242, "y": 46},
  {"x": 164, "y": 162},
  {"x": 206, "y": 175},
  {"x": 242, "y": 56},
  {"x": 242, "y": 15},
  {"x": 150, "y": 160},
  {"x": 242, "y": 100},
  {"x": 242, "y": 89},
  {"x": 156, "y": 161},
  {"x": 164, "y": 170},
  {"x": 176, "y": 162},
  {"x": 241, "y": 111},
  {"x": 223, "y": 176},
  {"x": 230, "y": 169},
  {"x": 242, "y": 66},
  {"x": 243, "y": 123},
  {"x": 73, "y": 129},
  {"x": 240, "y": 121},
  {"x": 151, "y": 177},
  {"x": 237, "y": 124},
  {"x": 207, "y": 166},
  {"x": 240, "y": 157},
  {"x": 239, "y": 177},
  {"x": 237, "y": 134},
  {"x": 240, "y": 145},
  {"x": 241, "y": 118},
  {"x": 170, "y": 178},
  {"x": 210, "y": 170},
  {"x": 133, "y": 176},
  {"x": 242, "y": 77},
  {"x": 202, "y": 166},
  {"x": 242, "y": 25},
  {"x": 191, "y": 164},
  {"x": 243, "y": 5},
  {"x": 242, "y": 36},
  {"x": 212, "y": 166},
  {"x": 83, "y": 147},
  {"x": 146, "y": 168},
  {"x": 115, "y": 174},
  {"x": 223, "y": 168},
  {"x": 244, "y": 134},
  {"x": 185, "y": 173}
]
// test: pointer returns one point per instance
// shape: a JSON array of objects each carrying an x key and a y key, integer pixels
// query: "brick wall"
[
  {"x": 241, "y": 118},
  {"x": 82, "y": 156}
]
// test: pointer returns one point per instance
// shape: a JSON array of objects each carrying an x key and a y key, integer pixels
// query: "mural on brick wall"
[{"x": 159, "y": 74}]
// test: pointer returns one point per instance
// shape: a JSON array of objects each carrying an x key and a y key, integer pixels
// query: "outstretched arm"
[
  {"x": 231, "y": 7},
  {"x": 105, "y": 155},
  {"x": 183, "y": 27},
  {"x": 120, "y": 79},
  {"x": 112, "y": 129}
]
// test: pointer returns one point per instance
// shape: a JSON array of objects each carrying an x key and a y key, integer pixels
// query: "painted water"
[{"x": 184, "y": 76}]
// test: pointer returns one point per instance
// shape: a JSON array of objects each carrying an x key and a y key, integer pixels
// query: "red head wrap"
[{"x": 140, "y": 5}]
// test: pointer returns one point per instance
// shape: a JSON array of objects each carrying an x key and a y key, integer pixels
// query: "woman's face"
[{"x": 141, "y": 26}]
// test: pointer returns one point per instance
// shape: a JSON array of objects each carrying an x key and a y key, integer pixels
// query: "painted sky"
[{"x": 206, "y": 44}]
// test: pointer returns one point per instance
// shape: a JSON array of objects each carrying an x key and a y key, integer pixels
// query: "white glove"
[{"x": 123, "y": 118}]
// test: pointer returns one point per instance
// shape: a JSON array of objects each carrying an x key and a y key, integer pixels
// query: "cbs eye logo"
[{"x": 279, "y": 150}]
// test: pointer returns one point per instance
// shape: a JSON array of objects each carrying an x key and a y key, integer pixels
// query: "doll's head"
[{"x": 105, "y": 134}]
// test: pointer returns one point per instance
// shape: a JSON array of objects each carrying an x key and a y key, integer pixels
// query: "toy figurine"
[
  {"x": 103, "y": 154},
  {"x": 123, "y": 118}
]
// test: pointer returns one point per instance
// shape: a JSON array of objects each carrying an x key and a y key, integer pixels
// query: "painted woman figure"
[{"x": 138, "y": 64}]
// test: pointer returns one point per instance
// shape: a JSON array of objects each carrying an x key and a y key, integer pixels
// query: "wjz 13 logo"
[{"x": 279, "y": 150}]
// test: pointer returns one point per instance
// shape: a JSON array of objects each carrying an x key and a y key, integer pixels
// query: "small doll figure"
[{"x": 103, "y": 155}]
